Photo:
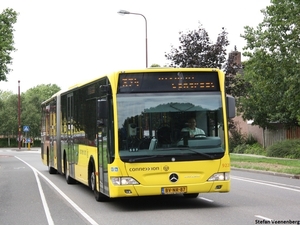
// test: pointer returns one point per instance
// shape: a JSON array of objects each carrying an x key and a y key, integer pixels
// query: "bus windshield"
[{"x": 170, "y": 126}]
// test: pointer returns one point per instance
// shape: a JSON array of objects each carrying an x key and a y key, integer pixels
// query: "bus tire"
[
  {"x": 98, "y": 196},
  {"x": 51, "y": 170},
  {"x": 193, "y": 195},
  {"x": 69, "y": 179},
  {"x": 90, "y": 170}
]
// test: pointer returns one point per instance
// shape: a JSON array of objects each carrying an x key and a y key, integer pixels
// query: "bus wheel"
[
  {"x": 52, "y": 170},
  {"x": 194, "y": 195},
  {"x": 69, "y": 179},
  {"x": 98, "y": 196}
]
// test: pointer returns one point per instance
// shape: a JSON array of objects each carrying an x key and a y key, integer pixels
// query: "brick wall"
[{"x": 248, "y": 129}]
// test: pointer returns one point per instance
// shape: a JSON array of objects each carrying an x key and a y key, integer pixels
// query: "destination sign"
[{"x": 168, "y": 82}]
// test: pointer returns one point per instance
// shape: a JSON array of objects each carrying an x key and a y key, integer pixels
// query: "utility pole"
[{"x": 19, "y": 116}]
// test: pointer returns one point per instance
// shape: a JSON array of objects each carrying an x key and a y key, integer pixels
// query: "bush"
[
  {"x": 239, "y": 143},
  {"x": 14, "y": 143},
  {"x": 4, "y": 142},
  {"x": 256, "y": 149},
  {"x": 240, "y": 149},
  {"x": 236, "y": 138},
  {"x": 250, "y": 140},
  {"x": 285, "y": 149}
]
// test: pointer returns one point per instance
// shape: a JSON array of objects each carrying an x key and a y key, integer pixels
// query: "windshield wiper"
[
  {"x": 191, "y": 150},
  {"x": 201, "y": 153},
  {"x": 142, "y": 158}
]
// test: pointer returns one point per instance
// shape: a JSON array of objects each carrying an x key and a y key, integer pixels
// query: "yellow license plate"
[{"x": 173, "y": 190}]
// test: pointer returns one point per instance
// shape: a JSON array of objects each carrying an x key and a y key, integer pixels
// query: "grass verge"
[{"x": 279, "y": 165}]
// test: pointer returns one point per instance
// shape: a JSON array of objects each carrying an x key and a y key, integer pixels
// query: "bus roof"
[{"x": 150, "y": 69}]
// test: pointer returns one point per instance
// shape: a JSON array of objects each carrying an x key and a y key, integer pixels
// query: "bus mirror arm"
[{"x": 105, "y": 89}]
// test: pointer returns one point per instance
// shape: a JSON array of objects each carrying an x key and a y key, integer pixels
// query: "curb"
[
  {"x": 25, "y": 149},
  {"x": 292, "y": 176}
]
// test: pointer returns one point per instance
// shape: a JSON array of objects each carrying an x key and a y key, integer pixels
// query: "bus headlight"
[
  {"x": 219, "y": 176},
  {"x": 123, "y": 181}
]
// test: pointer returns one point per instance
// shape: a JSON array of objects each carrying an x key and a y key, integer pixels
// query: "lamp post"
[{"x": 126, "y": 12}]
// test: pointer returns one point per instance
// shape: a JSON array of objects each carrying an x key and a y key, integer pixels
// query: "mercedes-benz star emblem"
[{"x": 173, "y": 177}]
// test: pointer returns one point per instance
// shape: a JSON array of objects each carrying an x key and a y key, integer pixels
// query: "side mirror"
[
  {"x": 230, "y": 106},
  {"x": 102, "y": 109}
]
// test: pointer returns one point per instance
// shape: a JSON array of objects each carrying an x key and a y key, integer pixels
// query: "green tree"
[
  {"x": 30, "y": 109},
  {"x": 31, "y": 106},
  {"x": 8, "y": 113},
  {"x": 273, "y": 69},
  {"x": 7, "y": 19},
  {"x": 155, "y": 65},
  {"x": 197, "y": 50}
]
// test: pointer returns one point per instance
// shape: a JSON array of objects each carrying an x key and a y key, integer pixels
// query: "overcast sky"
[{"x": 64, "y": 42}]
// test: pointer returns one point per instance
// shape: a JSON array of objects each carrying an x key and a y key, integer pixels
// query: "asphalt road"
[{"x": 30, "y": 195}]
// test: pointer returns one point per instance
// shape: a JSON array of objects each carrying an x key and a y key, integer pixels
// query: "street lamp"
[{"x": 126, "y": 12}]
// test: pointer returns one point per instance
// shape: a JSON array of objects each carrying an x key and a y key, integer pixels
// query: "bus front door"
[
  {"x": 102, "y": 159},
  {"x": 103, "y": 144}
]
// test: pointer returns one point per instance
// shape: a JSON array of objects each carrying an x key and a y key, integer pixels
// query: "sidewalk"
[
  {"x": 24, "y": 149},
  {"x": 293, "y": 176},
  {"x": 260, "y": 156},
  {"x": 268, "y": 173}
]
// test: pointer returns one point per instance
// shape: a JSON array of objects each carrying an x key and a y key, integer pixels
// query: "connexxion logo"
[{"x": 144, "y": 169}]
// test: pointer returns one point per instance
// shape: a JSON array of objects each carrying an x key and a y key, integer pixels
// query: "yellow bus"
[{"x": 127, "y": 133}]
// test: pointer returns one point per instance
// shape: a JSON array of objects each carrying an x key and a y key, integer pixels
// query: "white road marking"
[
  {"x": 44, "y": 201},
  {"x": 76, "y": 207},
  {"x": 17, "y": 168},
  {"x": 268, "y": 183},
  {"x": 264, "y": 218},
  {"x": 206, "y": 199}
]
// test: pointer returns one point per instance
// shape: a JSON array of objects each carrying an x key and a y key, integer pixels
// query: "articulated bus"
[{"x": 122, "y": 134}]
